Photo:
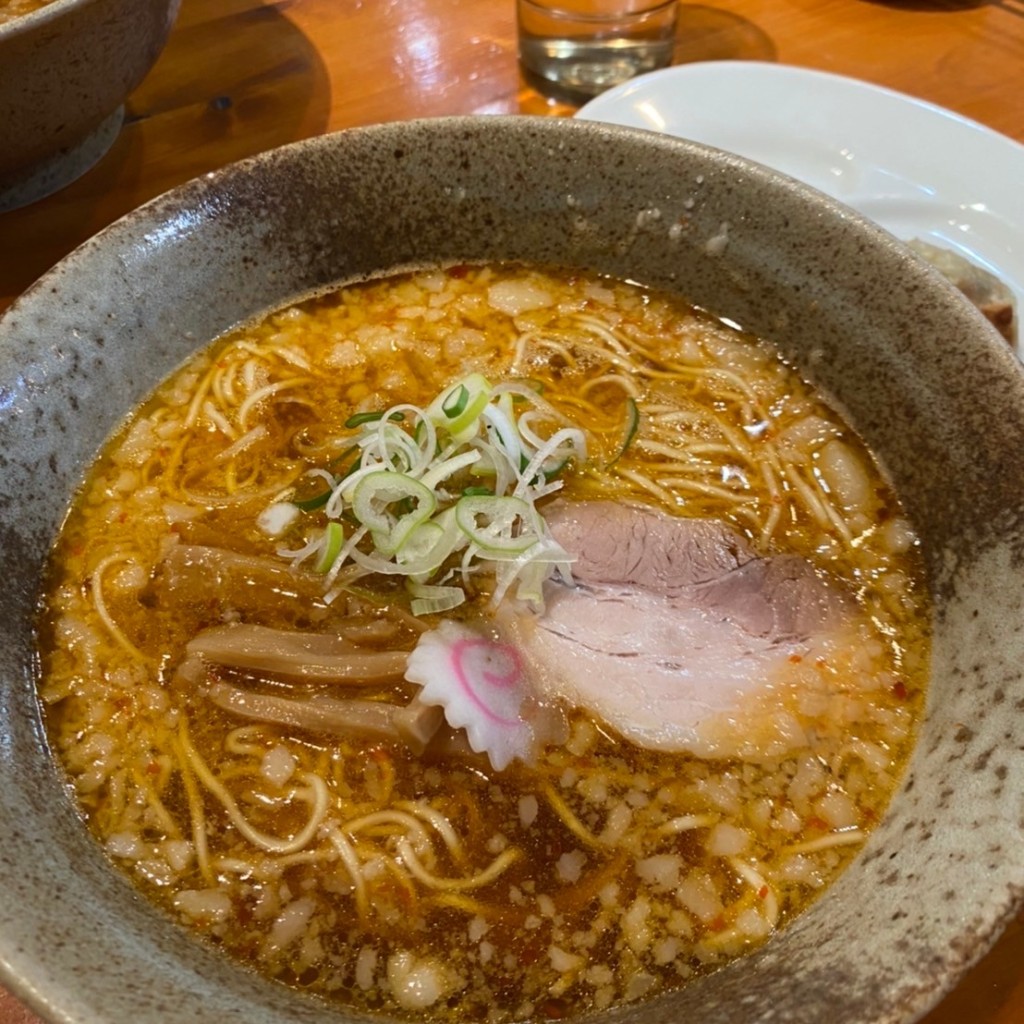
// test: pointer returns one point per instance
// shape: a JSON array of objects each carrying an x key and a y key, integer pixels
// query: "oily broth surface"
[
  {"x": 433, "y": 886},
  {"x": 11, "y": 9}
]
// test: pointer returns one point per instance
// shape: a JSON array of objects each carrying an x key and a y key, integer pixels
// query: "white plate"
[{"x": 918, "y": 170}]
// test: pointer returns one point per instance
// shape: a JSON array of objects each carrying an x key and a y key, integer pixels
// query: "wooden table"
[{"x": 241, "y": 76}]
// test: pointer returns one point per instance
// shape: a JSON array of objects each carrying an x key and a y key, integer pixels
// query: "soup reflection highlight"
[{"x": 484, "y": 643}]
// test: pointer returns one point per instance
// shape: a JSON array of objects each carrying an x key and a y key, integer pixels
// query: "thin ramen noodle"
[{"x": 300, "y": 660}]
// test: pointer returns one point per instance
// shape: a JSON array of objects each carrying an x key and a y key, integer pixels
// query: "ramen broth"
[
  {"x": 587, "y": 871},
  {"x": 11, "y": 9}
]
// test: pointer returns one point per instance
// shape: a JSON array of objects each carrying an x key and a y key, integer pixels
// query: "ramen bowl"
[
  {"x": 68, "y": 67},
  {"x": 923, "y": 378}
]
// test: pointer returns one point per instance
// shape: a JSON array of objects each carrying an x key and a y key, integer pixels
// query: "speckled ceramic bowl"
[
  {"x": 922, "y": 376},
  {"x": 65, "y": 72}
]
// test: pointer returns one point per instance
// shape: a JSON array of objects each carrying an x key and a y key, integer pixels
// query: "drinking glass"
[{"x": 578, "y": 48}]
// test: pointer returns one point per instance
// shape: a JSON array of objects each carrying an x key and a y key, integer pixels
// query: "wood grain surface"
[{"x": 241, "y": 76}]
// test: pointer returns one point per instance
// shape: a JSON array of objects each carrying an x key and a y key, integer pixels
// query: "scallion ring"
[
  {"x": 377, "y": 493},
  {"x": 502, "y": 527},
  {"x": 330, "y": 546}
]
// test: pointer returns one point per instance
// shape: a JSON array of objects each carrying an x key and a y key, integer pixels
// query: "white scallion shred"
[{"x": 276, "y": 518}]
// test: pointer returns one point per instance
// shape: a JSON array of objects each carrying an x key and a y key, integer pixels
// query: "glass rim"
[{"x": 557, "y": 10}]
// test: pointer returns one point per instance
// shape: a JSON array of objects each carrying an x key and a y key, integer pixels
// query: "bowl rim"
[
  {"x": 36, "y": 989},
  {"x": 50, "y": 11}
]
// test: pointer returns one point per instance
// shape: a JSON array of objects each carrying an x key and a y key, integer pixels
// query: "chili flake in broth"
[{"x": 430, "y": 885}]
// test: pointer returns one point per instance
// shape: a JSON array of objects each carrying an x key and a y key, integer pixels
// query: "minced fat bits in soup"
[{"x": 226, "y": 632}]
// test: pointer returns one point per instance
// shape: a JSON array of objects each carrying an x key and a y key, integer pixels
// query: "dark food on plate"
[
  {"x": 484, "y": 643},
  {"x": 985, "y": 290}
]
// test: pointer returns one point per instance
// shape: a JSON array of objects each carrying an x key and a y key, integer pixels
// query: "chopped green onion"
[
  {"x": 557, "y": 444},
  {"x": 377, "y": 492},
  {"x": 629, "y": 431},
  {"x": 400, "y": 493},
  {"x": 330, "y": 548},
  {"x": 428, "y": 545},
  {"x": 360, "y": 418},
  {"x": 428, "y": 599},
  {"x": 550, "y": 472},
  {"x": 456, "y": 402},
  {"x": 313, "y": 490},
  {"x": 339, "y": 459},
  {"x": 506, "y": 436},
  {"x": 422, "y": 541},
  {"x": 313, "y": 503},
  {"x": 499, "y": 526},
  {"x": 416, "y": 559},
  {"x": 445, "y": 469},
  {"x": 458, "y": 409}
]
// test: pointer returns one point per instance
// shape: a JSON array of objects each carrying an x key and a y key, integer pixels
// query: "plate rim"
[{"x": 670, "y": 87}]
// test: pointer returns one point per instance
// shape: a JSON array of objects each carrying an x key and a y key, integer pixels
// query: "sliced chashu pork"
[{"x": 678, "y": 636}]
